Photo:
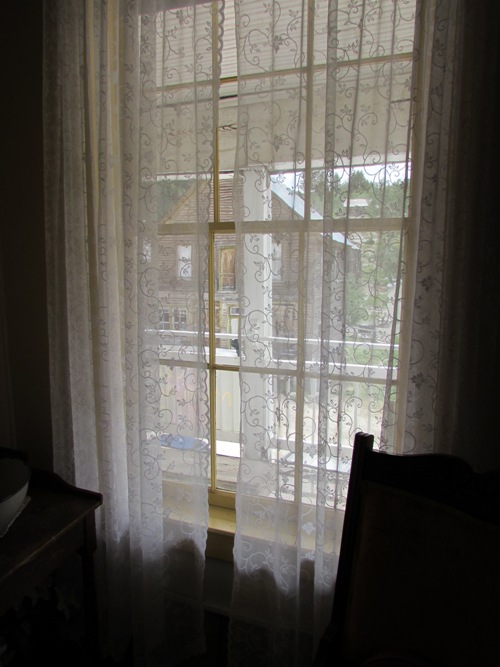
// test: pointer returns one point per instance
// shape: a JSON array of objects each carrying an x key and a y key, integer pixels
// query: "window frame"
[{"x": 217, "y": 496}]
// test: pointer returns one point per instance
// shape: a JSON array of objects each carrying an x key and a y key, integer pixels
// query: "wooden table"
[{"x": 57, "y": 522}]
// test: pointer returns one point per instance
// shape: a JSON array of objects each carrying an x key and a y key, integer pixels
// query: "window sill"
[{"x": 222, "y": 528}]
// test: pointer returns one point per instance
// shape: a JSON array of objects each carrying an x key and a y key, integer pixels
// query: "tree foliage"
[{"x": 373, "y": 257}]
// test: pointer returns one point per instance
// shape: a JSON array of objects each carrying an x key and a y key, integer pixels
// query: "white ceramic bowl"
[{"x": 14, "y": 481}]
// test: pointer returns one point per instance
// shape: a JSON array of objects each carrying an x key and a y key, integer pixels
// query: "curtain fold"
[
  {"x": 453, "y": 314},
  {"x": 125, "y": 395},
  {"x": 427, "y": 238}
]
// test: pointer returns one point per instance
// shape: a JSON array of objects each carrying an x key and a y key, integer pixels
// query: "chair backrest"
[{"x": 419, "y": 566}]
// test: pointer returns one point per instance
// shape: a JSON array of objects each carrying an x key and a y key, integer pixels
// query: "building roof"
[{"x": 286, "y": 204}]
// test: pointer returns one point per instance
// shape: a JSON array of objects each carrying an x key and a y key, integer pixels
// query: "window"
[
  {"x": 371, "y": 192},
  {"x": 178, "y": 322},
  {"x": 227, "y": 275},
  {"x": 164, "y": 321}
]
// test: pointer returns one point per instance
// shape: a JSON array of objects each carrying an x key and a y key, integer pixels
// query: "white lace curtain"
[
  {"x": 112, "y": 126},
  {"x": 327, "y": 96},
  {"x": 322, "y": 180}
]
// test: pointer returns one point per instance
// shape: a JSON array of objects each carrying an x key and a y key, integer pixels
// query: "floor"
[
  {"x": 40, "y": 634},
  {"x": 216, "y": 630}
]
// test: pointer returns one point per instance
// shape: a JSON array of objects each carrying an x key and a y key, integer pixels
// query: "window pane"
[
  {"x": 182, "y": 417},
  {"x": 272, "y": 453},
  {"x": 369, "y": 193},
  {"x": 228, "y": 429},
  {"x": 180, "y": 199}
]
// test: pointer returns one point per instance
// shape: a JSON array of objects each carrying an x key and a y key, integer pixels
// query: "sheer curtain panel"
[
  {"x": 322, "y": 176},
  {"x": 122, "y": 149}
]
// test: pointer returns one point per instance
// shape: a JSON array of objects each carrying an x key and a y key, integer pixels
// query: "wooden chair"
[{"x": 419, "y": 569}]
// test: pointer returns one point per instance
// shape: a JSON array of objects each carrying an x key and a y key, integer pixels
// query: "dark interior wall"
[{"x": 22, "y": 262}]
